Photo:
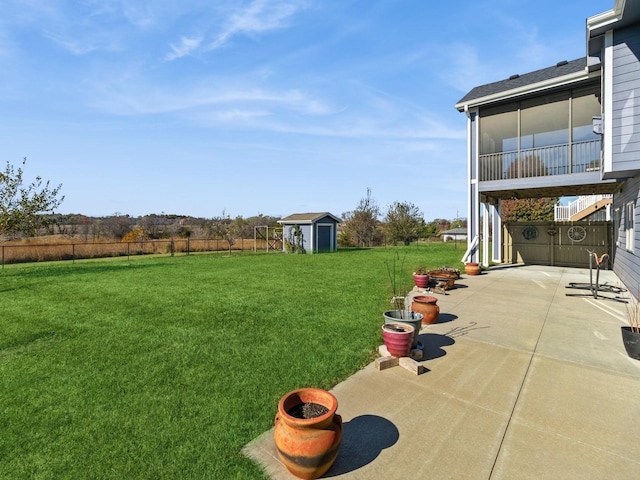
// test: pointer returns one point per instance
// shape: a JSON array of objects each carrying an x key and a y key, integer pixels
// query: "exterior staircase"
[{"x": 582, "y": 207}]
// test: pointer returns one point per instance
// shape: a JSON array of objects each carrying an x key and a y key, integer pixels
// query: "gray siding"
[
  {"x": 306, "y": 235},
  {"x": 626, "y": 263},
  {"x": 626, "y": 100},
  {"x": 306, "y": 238}
]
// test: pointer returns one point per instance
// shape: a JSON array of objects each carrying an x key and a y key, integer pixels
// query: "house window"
[
  {"x": 630, "y": 212},
  {"x": 616, "y": 225}
]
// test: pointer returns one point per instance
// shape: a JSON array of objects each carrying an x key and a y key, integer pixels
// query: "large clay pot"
[
  {"x": 421, "y": 281},
  {"x": 404, "y": 316},
  {"x": 631, "y": 342},
  {"x": 426, "y": 305},
  {"x": 472, "y": 268},
  {"x": 398, "y": 338},
  {"x": 308, "y": 446}
]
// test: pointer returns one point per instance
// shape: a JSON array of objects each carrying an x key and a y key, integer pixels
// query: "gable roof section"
[
  {"x": 306, "y": 218},
  {"x": 559, "y": 74}
]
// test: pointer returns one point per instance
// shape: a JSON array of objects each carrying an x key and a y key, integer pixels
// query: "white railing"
[
  {"x": 562, "y": 159},
  {"x": 566, "y": 212}
]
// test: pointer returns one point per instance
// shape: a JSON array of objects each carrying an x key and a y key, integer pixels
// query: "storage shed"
[{"x": 314, "y": 232}]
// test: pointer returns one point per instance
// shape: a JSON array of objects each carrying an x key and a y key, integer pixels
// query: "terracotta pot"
[
  {"x": 404, "y": 316},
  {"x": 426, "y": 305},
  {"x": 472, "y": 268},
  {"x": 398, "y": 338},
  {"x": 308, "y": 446},
  {"x": 421, "y": 281}
]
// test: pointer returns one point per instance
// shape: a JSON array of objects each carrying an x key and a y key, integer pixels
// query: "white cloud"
[
  {"x": 260, "y": 16},
  {"x": 186, "y": 46},
  {"x": 76, "y": 47}
]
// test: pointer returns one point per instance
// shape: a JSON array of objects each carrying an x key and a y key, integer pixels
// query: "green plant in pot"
[
  {"x": 421, "y": 277},
  {"x": 402, "y": 312},
  {"x": 631, "y": 332}
]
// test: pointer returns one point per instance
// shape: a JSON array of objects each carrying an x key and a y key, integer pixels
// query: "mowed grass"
[{"x": 166, "y": 367}]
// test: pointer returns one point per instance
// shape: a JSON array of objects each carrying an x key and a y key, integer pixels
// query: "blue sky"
[{"x": 267, "y": 107}]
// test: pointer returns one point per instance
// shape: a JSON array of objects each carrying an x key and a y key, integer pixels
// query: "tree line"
[
  {"x": 402, "y": 222},
  {"x": 30, "y": 210}
]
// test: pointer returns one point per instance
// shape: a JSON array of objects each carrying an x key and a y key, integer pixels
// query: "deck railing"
[
  {"x": 562, "y": 159},
  {"x": 565, "y": 212}
]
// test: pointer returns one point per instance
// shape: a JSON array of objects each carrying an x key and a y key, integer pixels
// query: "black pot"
[{"x": 631, "y": 342}]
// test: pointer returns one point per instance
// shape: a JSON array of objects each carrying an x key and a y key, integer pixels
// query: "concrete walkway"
[{"x": 523, "y": 381}]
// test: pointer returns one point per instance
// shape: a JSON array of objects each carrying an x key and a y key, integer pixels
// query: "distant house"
[
  {"x": 319, "y": 231},
  {"x": 454, "y": 234}
]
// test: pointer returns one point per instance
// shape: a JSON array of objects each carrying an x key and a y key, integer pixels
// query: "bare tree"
[
  {"x": 118, "y": 225},
  {"x": 361, "y": 225}
]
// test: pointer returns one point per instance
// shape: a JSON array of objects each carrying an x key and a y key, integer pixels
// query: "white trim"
[
  {"x": 485, "y": 234},
  {"x": 496, "y": 230},
  {"x": 531, "y": 88},
  {"x": 629, "y": 226},
  {"x": 607, "y": 100},
  {"x": 472, "y": 244},
  {"x": 606, "y": 18},
  {"x": 473, "y": 195}
]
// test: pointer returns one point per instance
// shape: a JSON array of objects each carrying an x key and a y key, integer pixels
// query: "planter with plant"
[
  {"x": 308, "y": 431},
  {"x": 444, "y": 277},
  {"x": 631, "y": 332},
  {"x": 401, "y": 313},
  {"x": 421, "y": 278}
]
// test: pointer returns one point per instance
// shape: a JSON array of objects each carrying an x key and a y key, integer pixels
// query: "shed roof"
[
  {"x": 308, "y": 217},
  {"x": 455, "y": 231},
  {"x": 524, "y": 82}
]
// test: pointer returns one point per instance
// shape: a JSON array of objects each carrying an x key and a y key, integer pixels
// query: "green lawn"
[{"x": 166, "y": 367}]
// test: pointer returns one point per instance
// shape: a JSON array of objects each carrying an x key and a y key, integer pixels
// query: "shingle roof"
[
  {"x": 307, "y": 217},
  {"x": 518, "y": 81}
]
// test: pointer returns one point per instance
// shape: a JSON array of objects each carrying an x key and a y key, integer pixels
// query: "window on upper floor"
[
  {"x": 546, "y": 135},
  {"x": 544, "y": 121},
  {"x": 584, "y": 106}
]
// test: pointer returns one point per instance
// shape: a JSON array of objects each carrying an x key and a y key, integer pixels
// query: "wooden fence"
[{"x": 559, "y": 244}]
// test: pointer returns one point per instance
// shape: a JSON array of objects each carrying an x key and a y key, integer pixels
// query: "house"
[
  {"x": 315, "y": 232},
  {"x": 454, "y": 234},
  {"x": 567, "y": 130}
]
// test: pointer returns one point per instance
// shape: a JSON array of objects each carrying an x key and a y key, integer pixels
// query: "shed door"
[{"x": 325, "y": 238}]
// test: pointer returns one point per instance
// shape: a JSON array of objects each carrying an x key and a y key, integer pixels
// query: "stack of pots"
[{"x": 405, "y": 316}]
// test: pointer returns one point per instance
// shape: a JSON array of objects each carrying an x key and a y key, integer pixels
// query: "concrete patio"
[{"x": 523, "y": 381}]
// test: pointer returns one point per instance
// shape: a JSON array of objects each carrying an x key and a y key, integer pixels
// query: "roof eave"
[
  {"x": 527, "y": 89},
  {"x": 600, "y": 23}
]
